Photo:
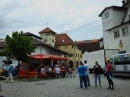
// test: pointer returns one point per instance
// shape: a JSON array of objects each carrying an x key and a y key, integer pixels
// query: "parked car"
[{"x": 6, "y": 66}]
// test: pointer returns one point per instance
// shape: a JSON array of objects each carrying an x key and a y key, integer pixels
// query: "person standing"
[
  {"x": 70, "y": 66},
  {"x": 97, "y": 71},
  {"x": 10, "y": 71},
  {"x": 57, "y": 71},
  {"x": 87, "y": 72},
  {"x": 108, "y": 74},
  {"x": 82, "y": 75}
]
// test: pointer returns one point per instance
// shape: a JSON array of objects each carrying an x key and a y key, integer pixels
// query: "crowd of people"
[
  {"x": 84, "y": 74},
  {"x": 83, "y": 70},
  {"x": 56, "y": 70}
]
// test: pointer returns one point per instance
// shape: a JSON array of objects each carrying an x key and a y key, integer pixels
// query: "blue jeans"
[
  {"x": 88, "y": 81},
  {"x": 99, "y": 79},
  {"x": 83, "y": 80}
]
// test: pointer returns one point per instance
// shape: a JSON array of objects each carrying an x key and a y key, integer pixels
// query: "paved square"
[{"x": 64, "y": 87}]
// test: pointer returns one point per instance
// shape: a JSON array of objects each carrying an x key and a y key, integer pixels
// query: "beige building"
[
  {"x": 48, "y": 36},
  {"x": 64, "y": 42}
]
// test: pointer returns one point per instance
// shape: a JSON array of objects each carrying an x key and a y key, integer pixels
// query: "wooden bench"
[
  {"x": 42, "y": 75},
  {"x": 26, "y": 75}
]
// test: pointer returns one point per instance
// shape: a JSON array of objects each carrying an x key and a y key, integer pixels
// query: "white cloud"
[{"x": 61, "y": 15}]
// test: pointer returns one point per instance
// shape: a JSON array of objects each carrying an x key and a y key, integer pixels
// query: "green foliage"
[
  {"x": 19, "y": 47},
  {"x": 102, "y": 47}
]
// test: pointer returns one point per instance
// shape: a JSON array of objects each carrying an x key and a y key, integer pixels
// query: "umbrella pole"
[{"x": 41, "y": 63}]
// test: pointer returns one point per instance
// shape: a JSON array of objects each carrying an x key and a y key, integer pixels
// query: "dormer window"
[{"x": 106, "y": 15}]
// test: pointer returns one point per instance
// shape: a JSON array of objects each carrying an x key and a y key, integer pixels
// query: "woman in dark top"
[{"x": 97, "y": 71}]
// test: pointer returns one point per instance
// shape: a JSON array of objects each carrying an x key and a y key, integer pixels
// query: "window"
[
  {"x": 47, "y": 34},
  {"x": 72, "y": 46},
  {"x": 122, "y": 61},
  {"x": 106, "y": 15},
  {"x": 46, "y": 40},
  {"x": 66, "y": 47},
  {"x": 70, "y": 55},
  {"x": 125, "y": 31},
  {"x": 119, "y": 61},
  {"x": 121, "y": 52},
  {"x": 116, "y": 34}
]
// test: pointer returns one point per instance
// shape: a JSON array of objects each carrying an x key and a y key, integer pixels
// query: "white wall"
[
  {"x": 47, "y": 50},
  {"x": 107, "y": 24},
  {"x": 115, "y": 18},
  {"x": 91, "y": 57},
  {"x": 114, "y": 43}
]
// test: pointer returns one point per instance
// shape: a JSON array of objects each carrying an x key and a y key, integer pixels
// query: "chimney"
[{"x": 123, "y": 2}]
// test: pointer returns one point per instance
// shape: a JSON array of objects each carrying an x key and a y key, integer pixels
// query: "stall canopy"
[{"x": 46, "y": 56}]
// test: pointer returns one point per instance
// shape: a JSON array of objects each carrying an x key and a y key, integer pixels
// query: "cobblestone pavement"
[{"x": 64, "y": 87}]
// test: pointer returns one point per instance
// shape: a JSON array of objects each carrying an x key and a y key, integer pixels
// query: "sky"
[{"x": 59, "y": 15}]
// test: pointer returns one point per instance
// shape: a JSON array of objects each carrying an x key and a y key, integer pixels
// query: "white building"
[
  {"x": 116, "y": 27},
  {"x": 43, "y": 48}
]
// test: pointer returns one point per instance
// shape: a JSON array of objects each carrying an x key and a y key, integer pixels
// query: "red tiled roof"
[
  {"x": 88, "y": 45},
  {"x": 63, "y": 39},
  {"x": 47, "y": 30}
]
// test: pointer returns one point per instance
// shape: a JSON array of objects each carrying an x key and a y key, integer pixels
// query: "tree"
[
  {"x": 18, "y": 47},
  {"x": 102, "y": 47}
]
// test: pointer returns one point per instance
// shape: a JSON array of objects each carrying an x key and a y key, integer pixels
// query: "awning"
[{"x": 46, "y": 56}]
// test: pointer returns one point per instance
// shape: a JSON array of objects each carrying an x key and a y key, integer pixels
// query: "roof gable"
[
  {"x": 63, "y": 39},
  {"x": 126, "y": 16},
  {"x": 30, "y": 34},
  {"x": 113, "y": 7},
  {"x": 47, "y": 30},
  {"x": 36, "y": 42}
]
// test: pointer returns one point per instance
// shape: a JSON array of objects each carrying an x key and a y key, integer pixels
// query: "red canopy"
[{"x": 45, "y": 56}]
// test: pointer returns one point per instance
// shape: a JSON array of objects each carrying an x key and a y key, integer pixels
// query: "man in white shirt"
[
  {"x": 42, "y": 70},
  {"x": 87, "y": 72},
  {"x": 57, "y": 71}
]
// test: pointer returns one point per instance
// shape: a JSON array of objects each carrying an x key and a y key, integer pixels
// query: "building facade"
[
  {"x": 48, "y": 36},
  {"x": 116, "y": 27},
  {"x": 65, "y": 43}
]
